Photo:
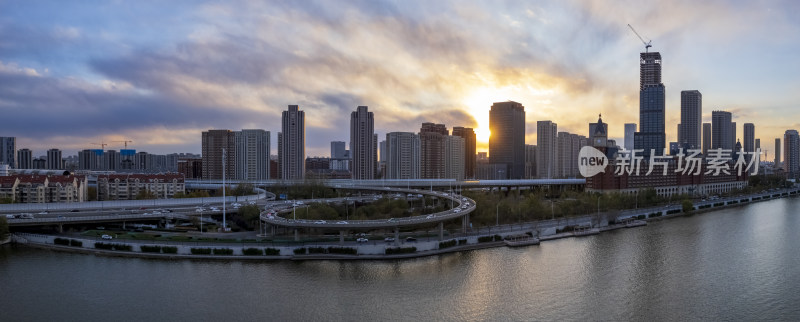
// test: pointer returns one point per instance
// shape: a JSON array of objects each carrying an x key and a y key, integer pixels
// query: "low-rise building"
[
  {"x": 128, "y": 186},
  {"x": 43, "y": 188}
]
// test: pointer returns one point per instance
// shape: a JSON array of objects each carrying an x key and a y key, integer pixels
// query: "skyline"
[{"x": 107, "y": 73}]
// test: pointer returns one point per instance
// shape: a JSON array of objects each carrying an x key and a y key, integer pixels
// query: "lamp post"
[
  {"x": 224, "y": 226},
  {"x": 497, "y": 215}
]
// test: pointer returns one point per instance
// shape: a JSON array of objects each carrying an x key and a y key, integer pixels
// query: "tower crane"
[
  {"x": 101, "y": 144},
  {"x": 125, "y": 142},
  {"x": 646, "y": 43}
]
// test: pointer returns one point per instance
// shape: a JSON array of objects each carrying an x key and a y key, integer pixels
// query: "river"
[{"x": 738, "y": 263}]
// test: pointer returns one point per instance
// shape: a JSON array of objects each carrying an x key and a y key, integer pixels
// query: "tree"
[
  {"x": 3, "y": 228},
  {"x": 687, "y": 205},
  {"x": 91, "y": 193},
  {"x": 243, "y": 189},
  {"x": 145, "y": 194}
]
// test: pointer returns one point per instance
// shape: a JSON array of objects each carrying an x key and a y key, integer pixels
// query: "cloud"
[{"x": 239, "y": 64}]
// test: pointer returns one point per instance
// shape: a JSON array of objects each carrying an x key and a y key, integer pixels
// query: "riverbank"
[{"x": 545, "y": 231}]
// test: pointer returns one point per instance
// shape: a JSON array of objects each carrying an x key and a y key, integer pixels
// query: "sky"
[{"x": 158, "y": 73}]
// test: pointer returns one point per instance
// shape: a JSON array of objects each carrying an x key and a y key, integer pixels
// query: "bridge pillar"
[
  {"x": 441, "y": 231},
  {"x": 341, "y": 236},
  {"x": 296, "y": 235},
  {"x": 123, "y": 226},
  {"x": 465, "y": 223},
  {"x": 60, "y": 228},
  {"x": 272, "y": 230},
  {"x": 396, "y": 235}
]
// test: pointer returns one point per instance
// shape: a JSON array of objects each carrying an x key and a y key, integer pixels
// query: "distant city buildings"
[
  {"x": 791, "y": 150},
  {"x": 216, "y": 145},
  {"x": 403, "y": 155},
  {"x": 24, "y": 159},
  {"x": 722, "y": 130},
  {"x": 363, "y": 145},
  {"x": 690, "y": 128},
  {"x": 651, "y": 135},
  {"x": 252, "y": 154},
  {"x": 470, "y": 145},
  {"x": 8, "y": 151},
  {"x": 432, "y": 138},
  {"x": 292, "y": 144},
  {"x": 546, "y": 141},
  {"x": 454, "y": 157},
  {"x": 54, "y": 159},
  {"x": 507, "y": 142},
  {"x": 630, "y": 129},
  {"x": 706, "y": 137},
  {"x": 749, "y": 144}
]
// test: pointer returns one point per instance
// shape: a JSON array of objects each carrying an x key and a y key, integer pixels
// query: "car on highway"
[
  {"x": 43, "y": 213},
  {"x": 342, "y": 222},
  {"x": 156, "y": 212},
  {"x": 391, "y": 220},
  {"x": 456, "y": 210},
  {"x": 214, "y": 209},
  {"x": 389, "y": 239},
  {"x": 107, "y": 237},
  {"x": 199, "y": 210},
  {"x": 319, "y": 222},
  {"x": 429, "y": 216},
  {"x": 362, "y": 240},
  {"x": 411, "y": 239},
  {"x": 10, "y": 216}
]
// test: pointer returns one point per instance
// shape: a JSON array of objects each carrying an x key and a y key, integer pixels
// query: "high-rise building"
[
  {"x": 651, "y": 135},
  {"x": 777, "y": 152},
  {"x": 630, "y": 129},
  {"x": 706, "y": 137},
  {"x": 546, "y": 140},
  {"x": 454, "y": 157},
  {"x": 507, "y": 142},
  {"x": 24, "y": 159},
  {"x": 749, "y": 144},
  {"x": 191, "y": 168},
  {"x": 791, "y": 150},
  {"x": 338, "y": 149},
  {"x": 214, "y": 142},
  {"x": 292, "y": 144},
  {"x": 690, "y": 129},
  {"x": 563, "y": 155},
  {"x": 362, "y": 144},
  {"x": 734, "y": 138},
  {"x": 649, "y": 69},
  {"x": 432, "y": 138},
  {"x": 530, "y": 161},
  {"x": 402, "y": 155},
  {"x": 252, "y": 154},
  {"x": 721, "y": 130},
  {"x": 470, "y": 145},
  {"x": 8, "y": 151},
  {"x": 90, "y": 159}
]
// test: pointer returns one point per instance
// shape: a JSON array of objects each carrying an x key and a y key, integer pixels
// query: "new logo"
[{"x": 591, "y": 161}]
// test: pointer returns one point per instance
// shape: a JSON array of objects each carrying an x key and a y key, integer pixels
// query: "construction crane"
[
  {"x": 126, "y": 143},
  {"x": 646, "y": 43},
  {"x": 101, "y": 144}
]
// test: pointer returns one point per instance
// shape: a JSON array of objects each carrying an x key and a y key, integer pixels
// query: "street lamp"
[{"x": 497, "y": 215}]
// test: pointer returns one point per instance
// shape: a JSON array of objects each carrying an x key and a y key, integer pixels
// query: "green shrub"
[
  {"x": 300, "y": 251},
  {"x": 343, "y": 250},
  {"x": 400, "y": 250},
  {"x": 462, "y": 241},
  {"x": 446, "y": 244},
  {"x": 485, "y": 239},
  {"x": 673, "y": 211},
  {"x": 201, "y": 251},
  {"x": 122, "y": 247},
  {"x": 223, "y": 251},
  {"x": 103, "y": 246},
  {"x": 498, "y": 238},
  {"x": 150, "y": 249},
  {"x": 640, "y": 217},
  {"x": 169, "y": 249},
  {"x": 272, "y": 251},
  {"x": 252, "y": 251},
  {"x": 61, "y": 241},
  {"x": 75, "y": 243}
]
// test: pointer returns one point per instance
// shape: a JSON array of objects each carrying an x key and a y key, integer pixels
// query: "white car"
[
  {"x": 457, "y": 210},
  {"x": 389, "y": 239},
  {"x": 429, "y": 217},
  {"x": 342, "y": 222},
  {"x": 362, "y": 240},
  {"x": 319, "y": 222},
  {"x": 199, "y": 210},
  {"x": 106, "y": 237}
]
